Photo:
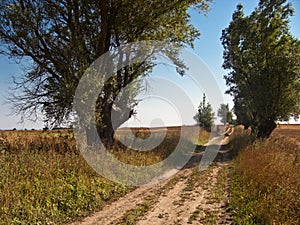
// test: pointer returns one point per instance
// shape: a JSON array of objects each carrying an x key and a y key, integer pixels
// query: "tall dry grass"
[
  {"x": 265, "y": 187},
  {"x": 164, "y": 148},
  {"x": 45, "y": 180},
  {"x": 61, "y": 141}
]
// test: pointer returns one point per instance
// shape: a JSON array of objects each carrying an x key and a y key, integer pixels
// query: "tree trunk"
[
  {"x": 103, "y": 134},
  {"x": 106, "y": 135},
  {"x": 106, "y": 129},
  {"x": 265, "y": 128},
  {"x": 92, "y": 136}
]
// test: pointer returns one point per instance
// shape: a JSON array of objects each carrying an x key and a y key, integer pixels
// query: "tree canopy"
[
  {"x": 225, "y": 114},
  {"x": 61, "y": 39},
  {"x": 263, "y": 60}
]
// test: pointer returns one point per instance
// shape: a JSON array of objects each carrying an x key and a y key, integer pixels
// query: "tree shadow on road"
[{"x": 222, "y": 155}]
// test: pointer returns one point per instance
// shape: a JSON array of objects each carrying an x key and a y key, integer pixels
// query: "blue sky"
[{"x": 155, "y": 111}]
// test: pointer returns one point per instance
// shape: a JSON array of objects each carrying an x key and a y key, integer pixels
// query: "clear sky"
[{"x": 158, "y": 111}]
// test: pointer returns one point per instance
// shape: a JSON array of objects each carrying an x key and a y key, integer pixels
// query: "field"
[
  {"x": 265, "y": 179},
  {"x": 288, "y": 131},
  {"x": 45, "y": 180}
]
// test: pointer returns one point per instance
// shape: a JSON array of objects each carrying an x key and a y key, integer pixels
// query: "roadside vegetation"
[
  {"x": 45, "y": 180},
  {"x": 265, "y": 181}
]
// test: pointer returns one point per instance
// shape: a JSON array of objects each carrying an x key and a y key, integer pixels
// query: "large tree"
[
  {"x": 61, "y": 39},
  {"x": 263, "y": 59}
]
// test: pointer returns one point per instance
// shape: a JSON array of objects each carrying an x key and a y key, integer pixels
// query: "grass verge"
[
  {"x": 265, "y": 182},
  {"x": 41, "y": 188}
]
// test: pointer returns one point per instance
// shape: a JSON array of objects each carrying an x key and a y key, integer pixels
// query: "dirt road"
[{"x": 189, "y": 197}]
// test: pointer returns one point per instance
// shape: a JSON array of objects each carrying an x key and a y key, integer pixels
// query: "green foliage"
[
  {"x": 41, "y": 188},
  {"x": 205, "y": 115},
  {"x": 243, "y": 112},
  {"x": 62, "y": 39},
  {"x": 131, "y": 217},
  {"x": 263, "y": 62},
  {"x": 225, "y": 114}
]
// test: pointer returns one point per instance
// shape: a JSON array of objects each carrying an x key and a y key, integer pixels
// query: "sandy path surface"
[
  {"x": 188, "y": 197},
  {"x": 189, "y": 202},
  {"x": 114, "y": 211}
]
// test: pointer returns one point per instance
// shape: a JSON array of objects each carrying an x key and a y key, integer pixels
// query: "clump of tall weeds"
[{"x": 265, "y": 182}]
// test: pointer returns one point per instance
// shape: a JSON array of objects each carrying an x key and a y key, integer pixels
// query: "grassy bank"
[
  {"x": 45, "y": 180},
  {"x": 265, "y": 182}
]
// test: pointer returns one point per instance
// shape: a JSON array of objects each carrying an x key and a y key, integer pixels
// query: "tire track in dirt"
[
  {"x": 163, "y": 206},
  {"x": 191, "y": 201},
  {"x": 113, "y": 212},
  {"x": 189, "y": 197},
  {"x": 172, "y": 209},
  {"x": 213, "y": 208}
]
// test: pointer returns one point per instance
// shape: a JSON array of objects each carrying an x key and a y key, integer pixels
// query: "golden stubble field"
[{"x": 288, "y": 131}]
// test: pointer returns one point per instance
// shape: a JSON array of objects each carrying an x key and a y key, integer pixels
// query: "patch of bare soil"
[{"x": 193, "y": 200}]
